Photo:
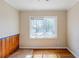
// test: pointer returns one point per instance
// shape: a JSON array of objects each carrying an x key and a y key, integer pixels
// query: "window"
[{"x": 43, "y": 26}]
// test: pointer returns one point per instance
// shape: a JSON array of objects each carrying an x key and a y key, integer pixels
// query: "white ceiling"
[{"x": 42, "y": 4}]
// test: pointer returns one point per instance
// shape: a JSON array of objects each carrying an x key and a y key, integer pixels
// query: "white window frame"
[{"x": 42, "y": 16}]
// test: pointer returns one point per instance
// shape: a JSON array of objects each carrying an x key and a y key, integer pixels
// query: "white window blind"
[{"x": 43, "y": 26}]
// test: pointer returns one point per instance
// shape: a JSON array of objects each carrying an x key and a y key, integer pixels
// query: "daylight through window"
[{"x": 43, "y": 26}]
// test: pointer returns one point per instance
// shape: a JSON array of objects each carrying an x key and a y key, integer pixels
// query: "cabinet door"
[
  {"x": 0, "y": 48},
  {"x": 17, "y": 41},
  {"x": 10, "y": 45},
  {"x": 3, "y": 48},
  {"x": 7, "y": 48}
]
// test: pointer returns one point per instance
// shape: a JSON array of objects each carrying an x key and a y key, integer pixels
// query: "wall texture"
[
  {"x": 27, "y": 42},
  {"x": 73, "y": 29},
  {"x": 9, "y": 20}
]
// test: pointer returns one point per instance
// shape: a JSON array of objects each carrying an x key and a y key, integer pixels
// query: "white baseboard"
[
  {"x": 73, "y": 53},
  {"x": 43, "y": 47}
]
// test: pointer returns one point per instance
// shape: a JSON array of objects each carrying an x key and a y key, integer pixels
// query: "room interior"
[{"x": 16, "y": 26}]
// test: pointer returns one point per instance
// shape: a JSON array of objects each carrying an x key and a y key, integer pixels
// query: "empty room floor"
[{"x": 42, "y": 53}]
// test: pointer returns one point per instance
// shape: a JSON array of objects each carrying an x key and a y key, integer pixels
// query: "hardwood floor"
[
  {"x": 42, "y": 53},
  {"x": 55, "y": 53}
]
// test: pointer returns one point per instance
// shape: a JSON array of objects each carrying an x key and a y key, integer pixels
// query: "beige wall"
[
  {"x": 9, "y": 20},
  {"x": 73, "y": 29},
  {"x": 26, "y": 42}
]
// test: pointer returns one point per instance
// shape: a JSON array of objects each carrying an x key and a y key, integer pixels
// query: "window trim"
[{"x": 46, "y": 37}]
